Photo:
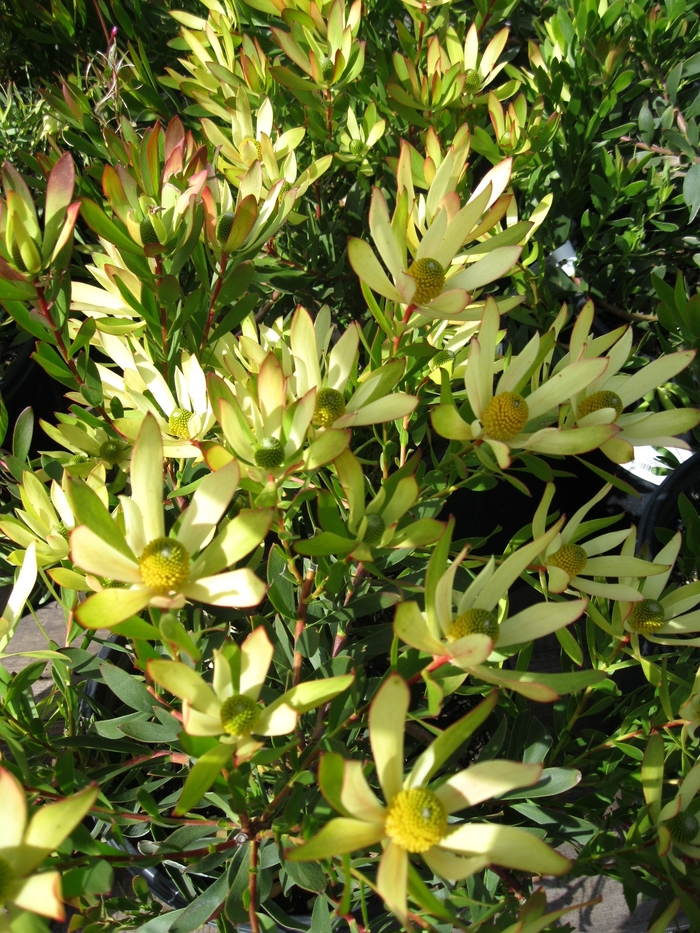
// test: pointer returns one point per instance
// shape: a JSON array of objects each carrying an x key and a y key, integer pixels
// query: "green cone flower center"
[
  {"x": 375, "y": 529},
  {"x": 599, "y": 400},
  {"x": 474, "y": 621},
  {"x": 61, "y": 530},
  {"x": 110, "y": 451},
  {"x": 416, "y": 820},
  {"x": 647, "y": 616},
  {"x": 430, "y": 278},
  {"x": 77, "y": 460},
  {"x": 239, "y": 715},
  {"x": 178, "y": 422},
  {"x": 147, "y": 232},
  {"x": 108, "y": 584},
  {"x": 164, "y": 565},
  {"x": 441, "y": 359},
  {"x": 683, "y": 827},
  {"x": 223, "y": 226},
  {"x": 356, "y": 147},
  {"x": 330, "y": 405},
  {"x": 472, "y": 80},
  {"x": 505, "y": 140},
  {"x": 505, "y": 416},
  {"x": 7, "y": 876},
  {"x": 284, "y": 189},
  {"x": 269, "y": 454},
  {"x": 17, "y": 257},
  {"x": 571, "y": 558},
  {"x": 327, "y": 70}
]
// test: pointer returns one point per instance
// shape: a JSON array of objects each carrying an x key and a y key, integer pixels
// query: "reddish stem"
[
  {"x": 301, "y": 621},
  {"x": 215, "y": 294}
]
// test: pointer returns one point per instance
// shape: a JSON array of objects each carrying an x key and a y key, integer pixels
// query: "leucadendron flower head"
[
  {"x": 184, "y": 416},
  {"x": 164, "y": 570},
  {"x": 46, "y": 518},
  {"x": 413, "y": 820},
  {"x": 574, "y": 563},
  {"x": 464, "y": 628},
  {"x": 267, "y": 428},
  {"x": 87, "y": 445},
  {"x": 372, "y": 402},
  {"x": 677, "y": 822},
  {"x": 433, "y": 282},
  {"x": 230, "y": 708},
  {"x": 510, "y": 417},
  {"x": 605, "y": 399},
  {"x": 665, "y": 615},
  {"x": 25, "y": 843}
]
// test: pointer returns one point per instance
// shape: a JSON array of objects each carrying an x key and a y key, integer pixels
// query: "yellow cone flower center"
[
  {"x": 164, "y": 565},
  {"x": 571, "y": 558},
  {"x": 505, "y": 416},
  {"x": 239, "y": 715},
  {"x": 110, "y": 451},
  {"x": 178, "y": 421},
  {"x": 472, "y": 80},
  {"x": 647, "y": 616},
  {"x": 683, "y": 827},
  {"x": 375, "y": 529},
  {"x": 430, "y": 278},
  {"x": 330, "y": 405},
  {"x": 7, "y": 876},
  {"x": 599, "y": 400},
  {"x": 416, "y": 820},
  {"x": 474, "y": 621},
  {"x": 255, "y": 143},
  {"x": 269, "y": 454}
]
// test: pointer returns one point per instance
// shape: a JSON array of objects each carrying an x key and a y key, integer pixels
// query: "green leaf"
[
  {"x": 94, "y": 878},
  {"x": 691, "y": 190},
  {"x": 238, "y": 885},
  {"x": 99, "y": 222},
  {"x": 321, "y": 917},
  {"x": 151, "y": 731},
  {"x": 89, "y": 510},
  {"x": 174, "y": 632},
  {"x": 553, "y": 781},
  {"x": 4, "y": 419},
  {"x": 307, "y": 875},
  {"x": 22, "y": 434},
  {"x": 202, "y": 776},
  {"x": 422, "y": 894},
  {"x": 450, "y": 740},
  {"x": 325, "y": 544},
  {"x": 201, "y": 909},
  {"x": 131, "y": 691},
  {"x": 570, "y": 645}
]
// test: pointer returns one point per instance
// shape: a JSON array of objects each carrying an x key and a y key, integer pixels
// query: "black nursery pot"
[
  {"x": 478, "y": 513},
  {"x": 26, "y": 384},
  {"x": 662, "y": 510}
]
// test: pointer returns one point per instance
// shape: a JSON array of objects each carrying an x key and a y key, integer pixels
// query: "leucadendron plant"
[{"x": 301, "y": 685}]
